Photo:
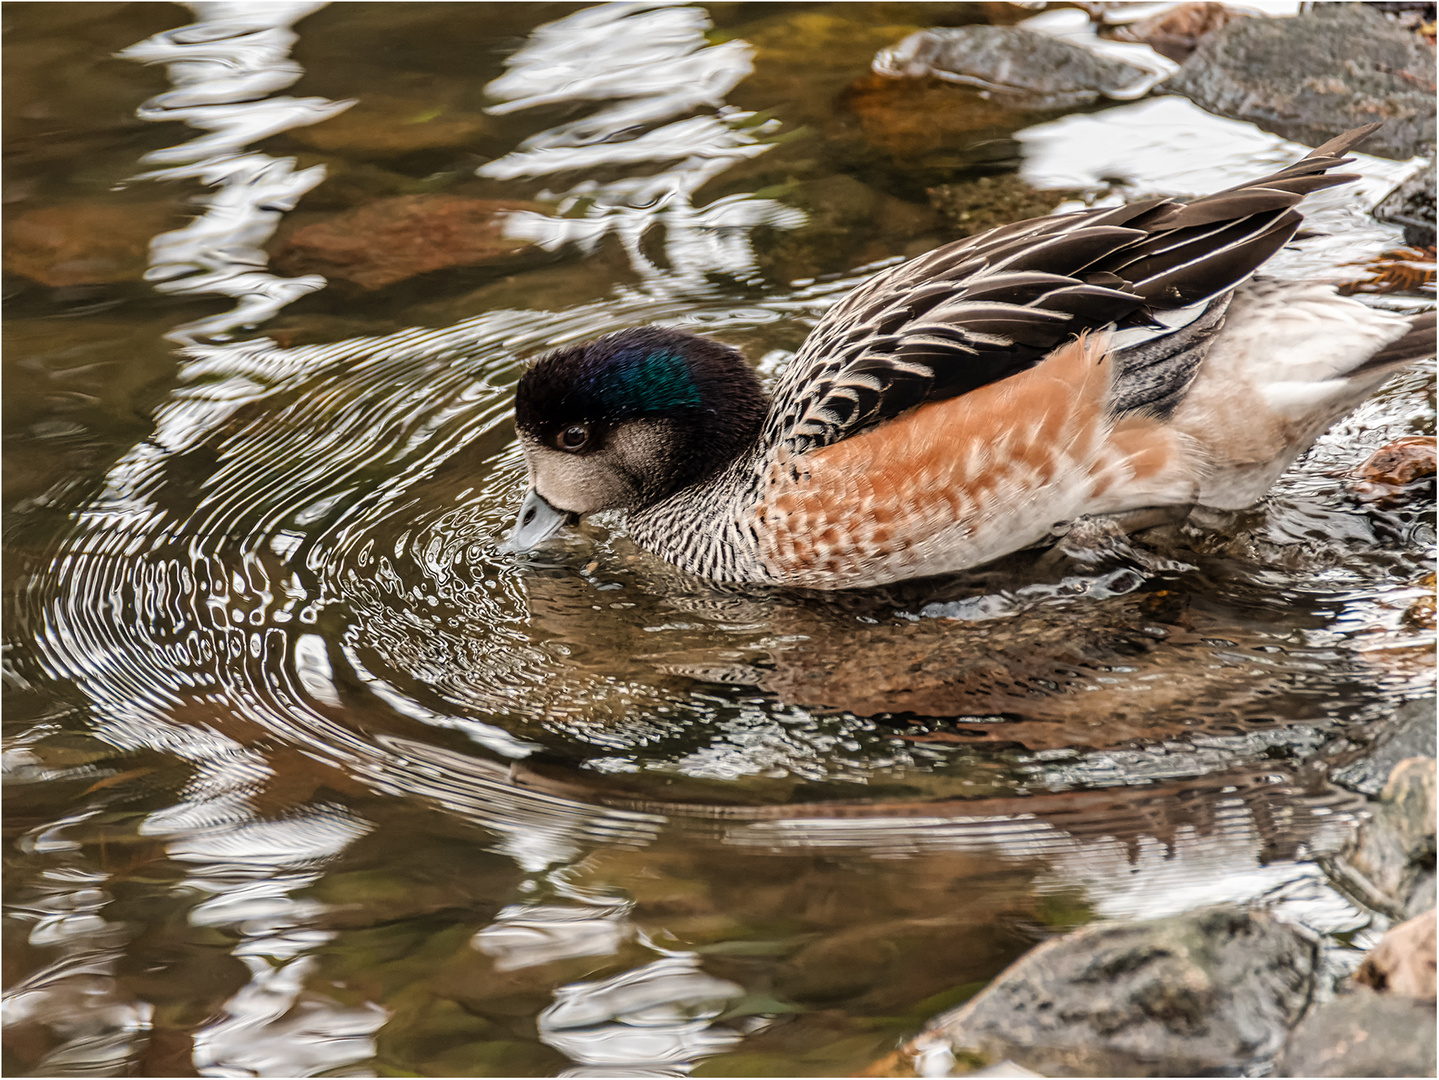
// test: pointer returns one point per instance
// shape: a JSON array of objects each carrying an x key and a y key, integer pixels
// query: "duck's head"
[{"x": 625, "y": 421}]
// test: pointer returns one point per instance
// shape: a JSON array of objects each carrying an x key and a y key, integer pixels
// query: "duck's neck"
[{"x": 706, "y": 528}]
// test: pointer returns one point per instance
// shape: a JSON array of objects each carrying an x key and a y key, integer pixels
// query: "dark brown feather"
[{"x": 985, "y": 308}]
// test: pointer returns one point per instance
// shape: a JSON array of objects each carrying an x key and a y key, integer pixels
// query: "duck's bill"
[{"x": 537, "y": 522}]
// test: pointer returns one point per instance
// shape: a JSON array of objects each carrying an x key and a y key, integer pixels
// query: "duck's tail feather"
[
  {"x": 1417, "y": 343},
  {"x": 1294, "y": 358}
]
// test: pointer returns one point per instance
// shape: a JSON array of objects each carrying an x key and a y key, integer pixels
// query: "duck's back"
[
  {"x": 985, "y": 308},
  {"x": 956, "y": 407}
]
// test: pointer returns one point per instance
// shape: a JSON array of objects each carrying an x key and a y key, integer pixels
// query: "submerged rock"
[
  {"x": 931, "y": 130},
  {"x": 805, "y": 56},
  {"x": 841, "y": 211},
  {"x": 1316, "y": 75},
  {"x": 1207, "y": 993},
  {"x": 1411, "y": 205},
  {"x": 395, "y": 239},
  {"x": 87, "y": 243},
  {"x": 987, "y": 202},
  {"x": 1028, "y": 70},
  {"x": 382, "y": 126}
]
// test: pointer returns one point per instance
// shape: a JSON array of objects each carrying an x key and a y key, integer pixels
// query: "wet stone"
[
  {"x": 1403, "y": 962},
  {"x": 1411, "y": 205},
  {"x": 87, "y": 243},
  {"x": 1026, "y": 69},
  {"x": 1390, "y": 863},
  {"x": 1316, "y": 75},
  {"x": 1206, "y": 993},
  {"x": 396, "y": 239},
  {"x": 803, "y": 58},
  {"x": 1408, "y": 733},
  {"x": 1392, "y": 470},
  {"x": 347, "y": 185},
  {"x": 1363, "y": 1034}
]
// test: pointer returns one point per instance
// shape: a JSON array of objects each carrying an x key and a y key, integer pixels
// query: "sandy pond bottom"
[{"x": 306, "y": 777}]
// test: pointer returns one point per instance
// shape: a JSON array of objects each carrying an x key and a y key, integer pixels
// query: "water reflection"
[
  {"x": 526, "y": 935},
  {"x": 274, "y": 1026},
  {"x": 661, "y": 1014},
  {"x": 335, "y": 785},
  {"x": 75, "y": 994},
  {"x": 223, "y": 66},
  {"x": 1169, "y": 144},
  {"x": 647, "y": 67}
]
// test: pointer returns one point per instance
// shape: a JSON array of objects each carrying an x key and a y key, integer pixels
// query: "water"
[{"x": 306, "y": 776}]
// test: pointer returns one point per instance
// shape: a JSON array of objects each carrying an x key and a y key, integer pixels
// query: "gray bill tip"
[{"x": 536, "y": 523}]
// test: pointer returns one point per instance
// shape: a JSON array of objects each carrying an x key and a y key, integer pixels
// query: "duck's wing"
[{"x": 984, "y": 308}]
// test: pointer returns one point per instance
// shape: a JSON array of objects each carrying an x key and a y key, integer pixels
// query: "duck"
[{"x": 972, "y": 401}]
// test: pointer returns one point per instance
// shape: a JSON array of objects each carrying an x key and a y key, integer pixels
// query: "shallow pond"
[{"x": 306, "y": 777}]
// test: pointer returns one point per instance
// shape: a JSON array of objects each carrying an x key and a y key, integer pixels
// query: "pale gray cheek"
[
  {"x": 633, "y": 468},
  {"x": 580, "y": 485}
]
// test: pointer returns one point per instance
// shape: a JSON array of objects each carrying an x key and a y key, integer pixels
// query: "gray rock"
[
  {"x": 1389, "y": 864},
  {"x": 1318, "y": 74},
  {"x": 1408, "y": 733},
  {"x": 1363, "y": 1034},
  {"x": 1209, "y": 993},
  {"x": 1411, "y": 205},
  {"x": 1024, "y": 69}
]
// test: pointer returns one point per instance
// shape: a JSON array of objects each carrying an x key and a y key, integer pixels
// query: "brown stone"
[
  {"x": 919, "y": 118},
  {"x": 1175, "y": 33},
  {"x": 382, "y": 126},
  {"x": 1403, "y": 961},
  {"x": 395, "y": 239},
  {"x": 1394, "y": 472},
  {"x": 1420, "y": 614},
  {"x": 86, "y": 243},
  {"x": 1399, "y": 270},
  {"x": 1401, "y": 462}
]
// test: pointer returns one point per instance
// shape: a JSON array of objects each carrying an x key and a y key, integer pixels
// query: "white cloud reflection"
[
  {"x": 222, "y": 67},
  {"x": 652, "y": 67},
  {"x": 653, "y": 1017}
]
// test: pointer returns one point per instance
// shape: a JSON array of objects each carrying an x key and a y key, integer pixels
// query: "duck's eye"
[{"x": 572, "y": 438}]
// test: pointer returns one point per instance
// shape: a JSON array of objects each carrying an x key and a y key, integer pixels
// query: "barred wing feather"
[{"x": 987, "y": 307}]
